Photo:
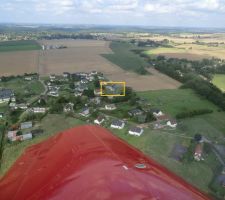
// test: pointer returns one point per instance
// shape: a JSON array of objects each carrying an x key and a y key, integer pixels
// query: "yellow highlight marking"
[{"x": 104, "y": 83}]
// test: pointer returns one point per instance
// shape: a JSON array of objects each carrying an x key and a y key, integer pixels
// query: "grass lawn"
[
  {"x": 23, "y": 87},
  {"x": 124, "y": 57},
  {"x": 159, "y": 144},
  {"x": 219, "y": 81},
  {"x": 173, "y": 102},
  {"x": 21, "y": 45},
  {"x": 51, "y": 125}
]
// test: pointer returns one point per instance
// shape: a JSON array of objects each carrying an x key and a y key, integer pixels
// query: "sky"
[{"x": 174, "y": 13}]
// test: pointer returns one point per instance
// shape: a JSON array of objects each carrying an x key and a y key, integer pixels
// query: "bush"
[{"x": 192, "y": 113}]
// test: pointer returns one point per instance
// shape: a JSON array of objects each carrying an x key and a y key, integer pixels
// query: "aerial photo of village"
[{"x": 161, "y": 90}]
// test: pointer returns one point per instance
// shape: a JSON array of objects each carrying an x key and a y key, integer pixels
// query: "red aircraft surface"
[{"x": 89, "y": 162}]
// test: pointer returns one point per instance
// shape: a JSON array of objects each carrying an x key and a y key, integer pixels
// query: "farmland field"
[
  {"x": 219, "y": 81},
  {"x": 19, "y": 46},
  {"x": 86, "y": 56},
  {"x": 185, "y": 46}
]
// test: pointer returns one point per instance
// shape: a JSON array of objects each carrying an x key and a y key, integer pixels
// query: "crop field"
[
  {"x": 19, "y": 46},
  {"x": 219, "y": 81},
  {"x": 18, "y": 62}
]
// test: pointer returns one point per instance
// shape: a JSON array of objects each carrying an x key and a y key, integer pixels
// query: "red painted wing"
[{"x": 88, "y": 162}]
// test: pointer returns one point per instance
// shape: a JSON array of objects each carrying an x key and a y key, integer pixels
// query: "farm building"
[
  {"x": 118, "y": 124},
  {"x": 26, "y": 136},
  {"x": 26, "y": 125},
  {"x": 6, "y": 95},
  {"x": 137, "y": 131},
  {"x": 37, "y": 132},
  {"x": 11, "y": 135}
]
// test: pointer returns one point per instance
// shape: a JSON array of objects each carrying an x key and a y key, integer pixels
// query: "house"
[
  {"x": 85, "y": 112},
  {"x": 156, "y": 112},
  {"x": 84, "y": 81},
  {"x": 26, "y": 136},
  {"x": 137, "y": 131},
  {"x": 66, "y": 74},
  {"x": 53, "y": 93},
  {"x": 94, "y": 73},
  {"x": 38, "y": 110},
  {"x": 172, "y": 123},
  {"x": 22, "y": 106},
  {"x": 6, "y": 95},
  {"x": 1, "y": 114},
  {"x": 135, "y": 112},
  {"x": 118, "y": 124},
  {"x": 68, "y": 107},
  {"x": 78, "y": 94},
  {"x": 99, "y": 120},
  {"x": 81, "y": 88},
  {"x": 97, "y": 92},
  {"x": 198, "y": 152},
  {"x": 162, "y": 117},
  {"x": 26, "y": 125},
  {"x": 95, "y": 100},
  {"x": 52, "y": 76},
  {"x": 110, "y": 107},
  {"x": 11, "y": 135},
  {"x": 28, "y": 78}
]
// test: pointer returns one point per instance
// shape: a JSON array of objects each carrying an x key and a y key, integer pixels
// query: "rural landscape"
[{"x": 174, "y": 104}]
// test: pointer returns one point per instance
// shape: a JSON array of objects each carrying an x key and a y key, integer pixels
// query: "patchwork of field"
[
  {"x": 81, "y": 55},
  {"x": 85, "y": 55},
  {"x": 219, "y": 81},
  {"x": 185, "y": 46}
]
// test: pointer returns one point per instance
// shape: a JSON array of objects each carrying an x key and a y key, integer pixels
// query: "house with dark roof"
[
  {"x": 137, "y": 131},
  {"x": 118, "y": 124},
  {"x": 26, "y": 125},
  {"x": 6, "y": 95},
  {"x": 135, "y": 112},
  {"x": 85, "y": 112},
  {"x": 156, "y": 112}
]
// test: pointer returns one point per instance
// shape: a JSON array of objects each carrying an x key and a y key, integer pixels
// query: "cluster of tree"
[
  {"x": 192, "y": 113},
  {"x": 208, "y": 90},
  {"x": 151, "y": 43},
  {"x": 9, "y": 78},
  {"x": 68, "y": 36}
]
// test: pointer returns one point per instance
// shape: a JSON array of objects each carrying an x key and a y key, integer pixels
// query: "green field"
[
  {"x": 159, "y": 144},
  {"x": 124, "y": 57},
  {"x": 176, "y": 101},
  {"x": 219, "y": 81},
  {"x": 21, "y": 45},
  {"x": 51, "y": 125}
]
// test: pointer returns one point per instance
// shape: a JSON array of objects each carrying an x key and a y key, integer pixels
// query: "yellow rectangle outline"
[{"x": 113, "y": 82}]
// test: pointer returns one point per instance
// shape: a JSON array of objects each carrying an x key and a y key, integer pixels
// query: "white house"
[
  {"x": 137, "y": 131},
  {"x": 157, "y": 112},
  {"x": 99, "y": 120},
  {"x": 38, "y": 110},
  {"x": 85, "y": 112},
  {"x": 118, "y": 124},
  {"x": 172, "y": 123},
  {"x": 110, "y": 107},
  {"x": 198, "y": 152}
]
